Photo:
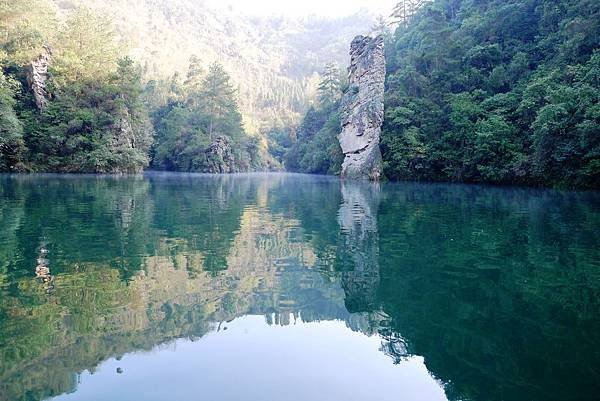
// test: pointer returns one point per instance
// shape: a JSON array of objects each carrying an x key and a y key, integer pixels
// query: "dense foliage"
[
  {"x": 93, "y": 126},
  {"x": 199, "y": 111},
  {"x": 102, "y": 112},
  {"x": 92, "y": 117},
  {"x": 495, "y": 91},
  {"x": 314, "y": 147}
]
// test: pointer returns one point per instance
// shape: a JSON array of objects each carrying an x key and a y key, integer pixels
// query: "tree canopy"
[
  {"x": 495, "y": 91},
  {"x": 476, "y": 91}
]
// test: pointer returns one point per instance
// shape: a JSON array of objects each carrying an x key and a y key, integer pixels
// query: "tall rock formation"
[
  {"x": 362, "y": 109},
  {"x": 220, "y": 157},
  {"x": 37, "y": 75}
]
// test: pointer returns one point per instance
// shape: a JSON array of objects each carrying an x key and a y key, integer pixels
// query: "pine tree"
[
  {"x": 193, "y": 80},
  {"x": 330, "y": 87},
  {"x": 382, "y": 27},
  {"x": 405, "y": 9},
  {"x": 219, "y": 103}
]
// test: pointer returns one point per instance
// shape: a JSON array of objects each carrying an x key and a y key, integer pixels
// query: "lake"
[{"x": 293, "y": 287}]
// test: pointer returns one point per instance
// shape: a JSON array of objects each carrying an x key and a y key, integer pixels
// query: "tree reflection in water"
[{"x": 496, "y": 288}]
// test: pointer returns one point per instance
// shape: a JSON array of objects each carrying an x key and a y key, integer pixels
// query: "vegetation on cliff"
[
  {"x": 495, "y": 91},
  {"x": 313, "y": 147},
  {"x": 87, "y": 112},
  {"x": 477, "y": 91},
  {"x": 84, "y": 87},
  {"x": 200, "y": 127},
  {"x": 487, "y": 91}
]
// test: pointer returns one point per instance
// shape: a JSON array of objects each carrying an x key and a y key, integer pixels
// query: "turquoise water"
[{"x": 292, "y": 287}]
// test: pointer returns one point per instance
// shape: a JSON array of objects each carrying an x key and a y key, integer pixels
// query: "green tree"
[
  {"x": 87, "y": 48},
  {"x": 330, "y": 87},
  {"x": 219, "y": 104},
  {"x": 193, "y": 80},
  {"x": 12, "y": 146}
]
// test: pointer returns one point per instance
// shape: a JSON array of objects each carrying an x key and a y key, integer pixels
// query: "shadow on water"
[{"x": 497, "y": 288}]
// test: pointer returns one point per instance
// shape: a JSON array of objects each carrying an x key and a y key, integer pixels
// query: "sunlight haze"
[{"x": 307, "y": 7}]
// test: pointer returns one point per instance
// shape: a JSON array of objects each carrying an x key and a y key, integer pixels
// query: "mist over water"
[{"x": 271, "y": 286}]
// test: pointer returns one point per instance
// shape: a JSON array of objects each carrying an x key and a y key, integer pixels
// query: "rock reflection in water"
[
  {"x": 496, "y": 289},
  {"x": 231, "y": 254},
  {"x": 42, "y": 270},
  {"x": 360, "y": 244}
]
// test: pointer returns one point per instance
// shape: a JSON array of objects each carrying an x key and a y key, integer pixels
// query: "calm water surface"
[{"x": 290, "y": 287}]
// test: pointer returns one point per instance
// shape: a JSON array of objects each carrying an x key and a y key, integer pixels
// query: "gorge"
[
  {"x": 502, "y": 104},
  {"x": 264, "y": 200}
]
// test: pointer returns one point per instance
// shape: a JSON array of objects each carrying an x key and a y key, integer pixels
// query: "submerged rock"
[
  {"x": 362, "y": 109},
  {"x": 37, "y": 75}
]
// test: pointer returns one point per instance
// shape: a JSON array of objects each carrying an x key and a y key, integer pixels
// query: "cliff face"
[
  {"x": 130, "y": 138},
  {"x": 362, "y": 109},
  {"x": 220, "y": 157},
  {"x": 37, "y": 75}
]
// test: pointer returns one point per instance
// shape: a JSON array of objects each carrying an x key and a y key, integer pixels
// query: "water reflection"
[
  {"x": 360, "y": 244},
  {"x": 253, "y": 361},
  {"x": 494, "y": 292}
]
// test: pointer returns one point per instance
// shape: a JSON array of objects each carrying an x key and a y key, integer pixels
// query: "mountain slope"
[
  {"x": 274, "y": 61},
  {"x": 496, "y": 91}
]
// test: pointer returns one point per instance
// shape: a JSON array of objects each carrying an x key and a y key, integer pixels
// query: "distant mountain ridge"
[{"x": 274, "y": 61}]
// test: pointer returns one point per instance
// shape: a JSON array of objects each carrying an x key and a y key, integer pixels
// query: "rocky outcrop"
[
  {"x": 130, "y": 138},
  {"x": 37, "y": 75},
  {"x": 220, "y": 157},
  {"x": 362, "y": 109}
]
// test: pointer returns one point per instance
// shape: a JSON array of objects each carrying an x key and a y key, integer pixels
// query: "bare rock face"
[
  {"x": 37, "y": 75},
  {"x": 220, "y": 157},
  {"x": 124, "y": 137},
  {"x": 362, "y": 109}
]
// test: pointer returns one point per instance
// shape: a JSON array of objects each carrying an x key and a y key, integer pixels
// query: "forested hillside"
[
  {"x": 497, "y": 91},
  {"x": 502, "y": 91},
  {"x": 314, "y": 147},
  {"x": 71, "y": 100},
  {"x": 118, "y": 86},
  {"x": 477, "y": 91},
  {"x": 274, "y": 62}
]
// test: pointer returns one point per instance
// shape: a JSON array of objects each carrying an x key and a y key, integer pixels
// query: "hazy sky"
[{"x": 305, "y": 7}]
